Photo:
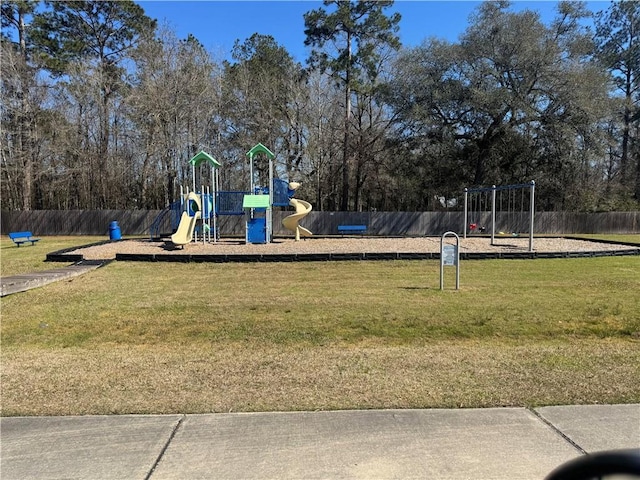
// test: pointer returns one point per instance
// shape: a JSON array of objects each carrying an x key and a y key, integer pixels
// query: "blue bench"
[
  {"x": 22, "y": 237},
  {"x": 352, "y": 229}
]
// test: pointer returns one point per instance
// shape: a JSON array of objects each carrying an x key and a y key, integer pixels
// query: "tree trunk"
[
  {"x": 637, "y": 155},
  {"x": 344, "y": 204},
  {"x": 26, "y": 153}
]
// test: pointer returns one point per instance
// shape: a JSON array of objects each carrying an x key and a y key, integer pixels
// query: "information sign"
[{"x": 450, "y": 255}]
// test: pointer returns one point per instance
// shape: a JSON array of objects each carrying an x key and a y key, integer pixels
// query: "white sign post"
[{"x": 450, "y": 257}]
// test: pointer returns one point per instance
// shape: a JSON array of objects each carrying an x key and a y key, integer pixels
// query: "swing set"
[{"x": 505, "y": 209}]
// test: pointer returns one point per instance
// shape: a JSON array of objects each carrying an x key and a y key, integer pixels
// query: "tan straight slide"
[{"x": 184, "y": 234}]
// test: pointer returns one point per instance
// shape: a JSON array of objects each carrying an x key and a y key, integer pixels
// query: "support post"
[
  {"x": 193, "y": 177},
  {"x": 466, "y": 213},
  {"x": 532, "y": 212},
  {"x": 269, "y": 212},
  {"x": 214, "y": 209},
  {"x": 493, "y": 214}
]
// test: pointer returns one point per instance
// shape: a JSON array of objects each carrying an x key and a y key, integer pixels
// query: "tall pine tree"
[{"x": 357, "y": 29}]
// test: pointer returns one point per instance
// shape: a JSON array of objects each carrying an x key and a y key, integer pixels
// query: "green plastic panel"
[{"x": 255, "y": 201}]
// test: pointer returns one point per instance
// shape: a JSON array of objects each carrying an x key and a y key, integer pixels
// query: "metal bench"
[
  {"x": 22, "y": 237},
  {"x": 343, "y": 229}
]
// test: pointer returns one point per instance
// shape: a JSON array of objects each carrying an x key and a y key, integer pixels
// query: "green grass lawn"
[
  {"x": 160, "y": 338},
  {"x": 29, "y": 258}
]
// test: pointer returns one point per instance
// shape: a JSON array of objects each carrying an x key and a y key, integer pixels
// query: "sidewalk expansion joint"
[
  {"x": 165, "y": 447},
  {"x": 558, "y": 431}
]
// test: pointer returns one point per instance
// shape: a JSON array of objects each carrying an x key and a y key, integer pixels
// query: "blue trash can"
[{"x": 114, "y": 231}]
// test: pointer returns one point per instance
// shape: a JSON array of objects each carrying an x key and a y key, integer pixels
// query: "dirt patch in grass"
[{"x": 244, "y": 377}]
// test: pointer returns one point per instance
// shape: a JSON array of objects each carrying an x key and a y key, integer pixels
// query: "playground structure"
[
  {"x": 196, "y": 207},
  {"x": 516, "y": 215},
  {"x": 195, "y": 214}
]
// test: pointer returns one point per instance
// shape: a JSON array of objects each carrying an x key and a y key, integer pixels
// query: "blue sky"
[{"x": 217, "y": 24}]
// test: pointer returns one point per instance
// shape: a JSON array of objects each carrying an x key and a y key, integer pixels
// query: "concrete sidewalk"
[
  {"x": 27, "y": 281},
  {"x": 493, "y": 443}
]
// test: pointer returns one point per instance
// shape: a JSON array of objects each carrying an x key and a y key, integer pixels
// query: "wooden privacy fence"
[{"x": 138, "y": 222}]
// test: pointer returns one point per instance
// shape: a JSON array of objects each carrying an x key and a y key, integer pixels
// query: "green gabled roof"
[
  {"x": 255, "y": 201},
  {"x": 203, "y": 156},
  {"x": 260, "y": 148}
]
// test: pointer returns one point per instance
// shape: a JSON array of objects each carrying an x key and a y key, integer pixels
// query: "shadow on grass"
[{"x": 418, "y": 288}]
